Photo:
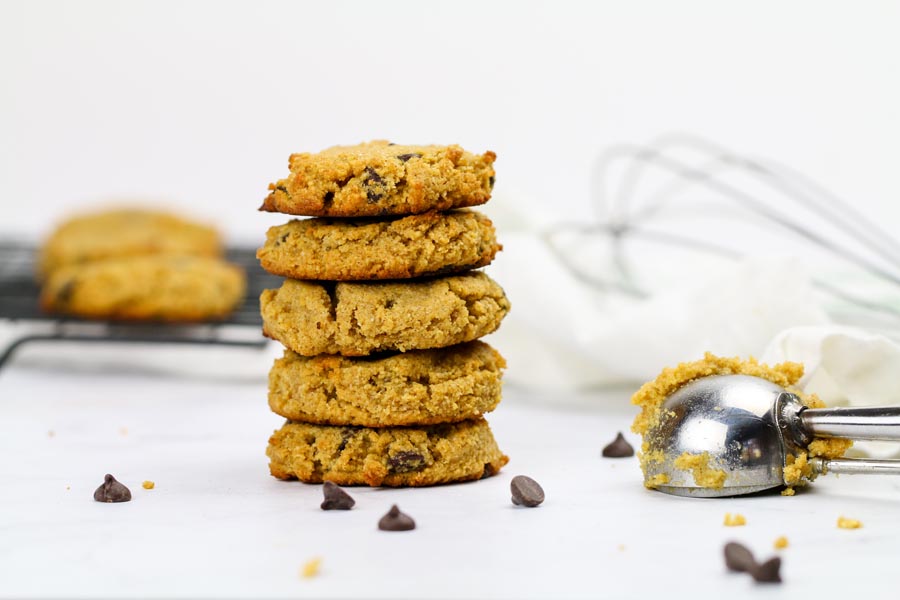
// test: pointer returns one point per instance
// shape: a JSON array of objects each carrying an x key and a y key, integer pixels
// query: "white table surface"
[{"x": 217, "y": 525}]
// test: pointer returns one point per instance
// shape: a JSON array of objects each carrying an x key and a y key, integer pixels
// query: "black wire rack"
[{"x": 20, "y": 308}]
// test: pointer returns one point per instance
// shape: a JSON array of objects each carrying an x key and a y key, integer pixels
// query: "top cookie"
[
  {"x": 380, "y": 178},
  {"x": 125, "y": 232}
]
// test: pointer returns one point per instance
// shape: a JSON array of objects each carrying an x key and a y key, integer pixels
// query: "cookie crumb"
[
  {"x": 781, "y": 543},
  {"x": 311, "y": 568},
  {"x": 621, "y": 547},
  {"x": 845, "y": 523},
  {"x": 148, "y": 485},
  {"x": 51, "y": 434},
  {"x": 123, "y": 431},
  {"x": 734, "y": 520},
  {"x": 788, "y": 491},
  {"x": 68, "y": 487}
]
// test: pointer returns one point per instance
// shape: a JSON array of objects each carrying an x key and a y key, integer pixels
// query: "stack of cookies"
[{"x": 383, "y": 380}]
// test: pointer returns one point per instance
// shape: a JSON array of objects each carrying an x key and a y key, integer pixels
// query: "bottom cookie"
[{"x": 391, "y": 456}]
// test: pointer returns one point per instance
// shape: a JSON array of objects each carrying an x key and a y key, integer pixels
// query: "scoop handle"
[
  {"x": 866, "y": 423},
  {"x": 855, "y": 466}
]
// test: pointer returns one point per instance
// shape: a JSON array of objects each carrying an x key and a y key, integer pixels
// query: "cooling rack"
[{"x": 19, "y": 309}]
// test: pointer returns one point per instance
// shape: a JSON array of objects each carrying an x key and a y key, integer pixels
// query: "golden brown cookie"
[
  {"x": 419, "y": 387},
  {"x": 125, "y": 232},
  {"x": 380, "y": 178},
  {"x": 392, "y": 248},
  {"x": 356, "y": 319},
  {"x": 394, "y": 456},
  {"x": 155, "y": 287}
]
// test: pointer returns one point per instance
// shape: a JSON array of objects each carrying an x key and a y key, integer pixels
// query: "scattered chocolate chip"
[
  {"x": 395, "y": 520},
  {"x": 767, "y": 572},
  {"x": 406, "y": 157},
  {"x": 336, "y": 498},
  {"x": 739, "y": 558},
  {"x": 112, "y": 491},
  {"x": 618, "y": 448},
  {"x": 526, "y": 491},
  {"x": 406, "y": 462}
]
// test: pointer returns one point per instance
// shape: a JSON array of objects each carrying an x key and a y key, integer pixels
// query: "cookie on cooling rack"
[
  {"x": 380, "y": 178},
  {"x": 359, "y": 318},
  {"x": 362, "y": 249},
  {"x": 125, "y": 232},
  {"x": 155, "y": 287},
  {"x": 399, "y": 456}
]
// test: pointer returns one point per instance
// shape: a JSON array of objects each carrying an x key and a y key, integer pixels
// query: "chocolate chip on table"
[
  {"x": 406, "y": 462},
  {"x": 767, "y": 572},
  {"x": 112, "y": 491},
  {"x": 738, "y": 558},
  {"x": 395, "y": 520},
  {"x": 526, "y": 491},
  {"x": 336, "y": 498},
  {"x": 618, "y": 448}
]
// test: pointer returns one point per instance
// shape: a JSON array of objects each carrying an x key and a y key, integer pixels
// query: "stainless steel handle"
[
  {"x": 869, "y": 423},
  {"x": 855, "y": 466}
]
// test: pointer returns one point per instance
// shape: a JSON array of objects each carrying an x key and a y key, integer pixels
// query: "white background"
[{"x": 199, "y": 104}]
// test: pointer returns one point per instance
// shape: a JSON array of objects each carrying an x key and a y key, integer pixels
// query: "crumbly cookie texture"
[
  {"x": 398, "y": 456},
  {"x": 388, "y": 248},
  {"x": 704, "y": 475},
  {"x": 380, "y": 178},
  {"x": 357, "y": 319},
  {"x": 155, "y": 287},
  {"x": 651, "y": 395},
  {"x": 419, "y": 387},
  {"x": 125, "y": 232}
]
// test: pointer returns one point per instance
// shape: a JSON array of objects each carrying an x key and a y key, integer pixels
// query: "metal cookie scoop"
[{"x": 749, "y": 426}]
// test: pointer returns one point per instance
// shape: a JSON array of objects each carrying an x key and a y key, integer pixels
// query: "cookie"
[
  {"x": 125, "y": 232},
  {"x": 380, "y": 178},
  {"x": 398, "y": 248},
  {"x": 420, "y": 387},
  {"x": 155, "y": 287},
  {"x": 356, "y": 319},
  {"x": 393, "y": 456}
]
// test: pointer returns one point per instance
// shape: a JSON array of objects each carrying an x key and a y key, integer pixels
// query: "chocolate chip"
[
  {"x": 336, "y": 498},
  {"x": 328, "y": 199},
  {"x": 618, "y": 448},
  {"x": 112, "y": 491},
  {"x": 767, "y": 572},
  {"x": 526, "y": 491},
  {"x": 488, "y": 471},
  {"x": 395, "y": 520},
  {"x": 739, "y": 558},
  {"x": 389, "y": 304},
  {"x": 283, "y": 238},
  {"x": 372, "y": 176},
  {"x": 491, "y": 181},
  {"x": 406, "y": 157},
  {"x": 405, "y": 462},
  {"x": 64, "y": 295},
  {"x": 346, "y": 435}
]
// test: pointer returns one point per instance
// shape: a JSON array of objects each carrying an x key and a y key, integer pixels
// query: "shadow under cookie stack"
[{"x": 383, "y": 381}]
